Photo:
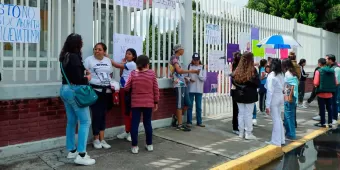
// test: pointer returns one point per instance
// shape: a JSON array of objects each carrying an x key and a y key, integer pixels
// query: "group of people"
[
  {"x": 280, "y": 83},
  {"x": 137, "y": 93}
]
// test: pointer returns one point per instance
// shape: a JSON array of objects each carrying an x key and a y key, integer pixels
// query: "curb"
[{"x": 267, "y": 154}]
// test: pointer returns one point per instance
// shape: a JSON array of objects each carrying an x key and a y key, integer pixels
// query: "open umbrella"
[{"x": 279, "y": 42}]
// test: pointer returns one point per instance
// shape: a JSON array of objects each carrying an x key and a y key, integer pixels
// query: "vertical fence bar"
[
  {"x": 99, "y": 22},
  {"x": 26, "y": 54},
  {"x": 15, "y": 58},
  {"x": 49, "y": 32},
  {"x": 59, "y": 35},
  {"x": 159, "y": 43},
  {"x": 147, "y": 27},
  {"x": 153, "y": 20},
  {"x": 165, "y": 31},
  {"x": 37, "y": 71},
  {"x": 107, "y": 25}
]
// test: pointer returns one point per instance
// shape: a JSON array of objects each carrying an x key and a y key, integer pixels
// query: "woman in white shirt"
[
  {"x": 274, "y": 86},
  {"x": 100, "y": 69}
]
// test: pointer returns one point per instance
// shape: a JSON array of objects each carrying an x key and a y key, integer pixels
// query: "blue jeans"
[
  {"x": 73, "y": 114},
  {"x": 254, "y": 112},
  {"x": 328, "y": 103},
  {"x": 147, "y": 115},
  {"x": 289, "y": 118},
  {"x": 338, "y": 99},
  {"x": 198, "y": 100},
  {"x": 262, "y": 94},
  {"x": 334, "y": 104}
]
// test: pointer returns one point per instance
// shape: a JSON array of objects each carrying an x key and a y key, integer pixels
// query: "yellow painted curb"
[{"x": 267, "y": 154}]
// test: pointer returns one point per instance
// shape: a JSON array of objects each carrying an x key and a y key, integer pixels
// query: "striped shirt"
[{"x": 144, "y": 88}]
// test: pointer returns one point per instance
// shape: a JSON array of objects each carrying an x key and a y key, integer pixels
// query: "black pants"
[
  {"x": 301, "y": 91},
  {"x": 98, "y": 110},
  {"x": 312, "y": 96},
  {"x": 235, "y": 115}
]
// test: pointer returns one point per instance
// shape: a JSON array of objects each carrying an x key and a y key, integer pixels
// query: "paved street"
[{"x": 203, "y": 148}]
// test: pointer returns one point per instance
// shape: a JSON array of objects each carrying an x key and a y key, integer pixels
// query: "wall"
[{"x": 27, "y": 120}]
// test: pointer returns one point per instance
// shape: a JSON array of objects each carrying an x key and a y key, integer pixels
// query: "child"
[
  {"x": 145, "y": 96},
  {"x": 125, "y": 98},
  {"x": 195, "y": 85}
]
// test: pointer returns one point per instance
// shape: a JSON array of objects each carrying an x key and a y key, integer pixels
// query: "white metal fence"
[{"x": 36, "y": 64}]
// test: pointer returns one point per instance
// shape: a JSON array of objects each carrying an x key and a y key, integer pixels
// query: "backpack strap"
[{"x": 189, "y": 66}]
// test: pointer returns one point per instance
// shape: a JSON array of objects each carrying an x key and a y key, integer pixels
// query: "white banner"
[
  {"x": 131, "y": 3},
  {"x": 213, "y": 34},
  {"x": 122, "y": 42},
  {"x": 19, "y": 24},
  {"x": 216, "y": 60},
  {"x": 245, "y": 41},
  {"x": 164, "y": 4}
]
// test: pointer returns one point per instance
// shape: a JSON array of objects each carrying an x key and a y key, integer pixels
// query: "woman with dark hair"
[
  {"x": 290, "y": 96},
  {"x": 246, "y": 81},
  {"x": 71, "y": 62},
  {"x": 237, "y": 57},
  {"x": 145, "y": 96},
  {"x": 274, "y": 86},
  {"x": 263, "y": 78},
  {"x": 128, "y": 65},
  {"x": 302, "y": 83}
]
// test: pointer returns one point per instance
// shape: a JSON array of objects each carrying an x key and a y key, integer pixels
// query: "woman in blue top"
[{"x": 262, "y": 90}]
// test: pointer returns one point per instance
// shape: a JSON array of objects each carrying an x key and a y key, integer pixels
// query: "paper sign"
[
  {"x": 213, "y": 34},
  {"x": 258, "y": 52},
  {"x": 216, "y": 60},
  {"x": 231, "y": 48},
  {"x": 19, "y": 24},
  {"x": 255, "y": 34},
  {"x": 245, "y": 41},
  {"x": 270, "y": 51},
  {"x": 165, "y": 4},
  {"x": 210, "y": 85},
  {"x": 122, "y": 42},
  {"x": 283, "y": 53},
  {"x": 130, "y": 3}
]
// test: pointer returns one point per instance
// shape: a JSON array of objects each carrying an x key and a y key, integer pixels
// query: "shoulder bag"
[{"x": 85, "y": 95}]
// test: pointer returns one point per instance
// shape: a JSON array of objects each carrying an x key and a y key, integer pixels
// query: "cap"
[
  {"x": 178, "y": 47},
  {"x": 196, "y": 56}
]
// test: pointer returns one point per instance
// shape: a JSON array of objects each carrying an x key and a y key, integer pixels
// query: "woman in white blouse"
[{"x": 275, "y": 100}]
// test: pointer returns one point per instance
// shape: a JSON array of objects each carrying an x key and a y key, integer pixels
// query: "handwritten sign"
[
  {"x": 122, "y": 42},
  {"x": 165, "y": 4},
  {"x": 216, "y": 60},
  {"x": 130, "y": 3},
  {"x": 213, "y": 34},
  {"x": 245, "y": 41},
  {"x": 19, "y": 24}
]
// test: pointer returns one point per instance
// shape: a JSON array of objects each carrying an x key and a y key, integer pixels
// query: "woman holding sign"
[{"x": 128, "y": 65}]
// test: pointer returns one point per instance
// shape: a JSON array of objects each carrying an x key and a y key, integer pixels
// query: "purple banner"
[
  {"x": 255, "y": 34},
  {"x": 211, "y": 84},
  {"x": 231, "y": 48}
]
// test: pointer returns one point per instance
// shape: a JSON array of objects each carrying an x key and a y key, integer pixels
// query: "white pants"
[
  {"x": 278, "y": 136},
  {"x": 245, "y": 118}
]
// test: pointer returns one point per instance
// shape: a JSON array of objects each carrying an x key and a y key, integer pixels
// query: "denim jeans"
[
  {"x": 338, "y": 99},
  {"x": 197, "y": 97},
  {"x": 262, "y": 94},
  {"x": 73, "y": 114},
  {"x": 289, "y": 118},
  {"x": 335, "y": 105},
  {"x": 254, "y": 111},
  {"x": 328, "y": 103},
  {"x": 147, "y": 115}
]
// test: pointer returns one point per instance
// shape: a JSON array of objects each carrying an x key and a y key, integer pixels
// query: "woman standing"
[
  {"x": 262, "y": 90},
  {"x": 74, "y": 70},
  {"x": 101, "y": 69},
  {"x": 274, "y": 86},
  {"x": 246, "y": 81},
  {"x": 303, "y": 78},
  {"x": 195, "y": 87},
  {"x": 237, "y": 57},
  {"x": 145, "y": 96},
  {"x": 291, "y": 95}
]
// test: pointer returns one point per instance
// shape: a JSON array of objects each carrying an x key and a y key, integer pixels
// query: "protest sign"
[
  {"x": 283, "y": 54},
  {"x": 231, "y": 48},
  {"x": 19, "y": 24},
  {"x": 216, "y": 60},
  {"x": 213, "y": 34},
  {"x": 257, "y": 51},
  {"x": 130, "y": 3},
  {"x": 165, "y": 4},
  {"x": 210, "y": 85},
  {"x": 255, "y": 33},
  {"x": 270, "y": 52},
  {"x": 122, "y": 42},
  {"x": 245, "y": 41}
]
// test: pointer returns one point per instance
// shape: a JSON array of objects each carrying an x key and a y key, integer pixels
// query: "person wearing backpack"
[
  {"x": 330, "y": 60},
  {"x": 195, "y": 87},
  {"x": 325, "y": 83}
]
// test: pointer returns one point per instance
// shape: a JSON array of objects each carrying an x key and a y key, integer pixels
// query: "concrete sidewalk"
[{"x": 202, "y": 148}]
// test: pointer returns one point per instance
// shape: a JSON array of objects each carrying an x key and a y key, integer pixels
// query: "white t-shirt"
[
  {"x": 100, "y": 70},
  {"x": 129, "y": 66}
]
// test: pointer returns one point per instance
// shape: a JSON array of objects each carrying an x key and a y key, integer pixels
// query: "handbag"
[
  {"x": 85, "y": 95},
  {"x": 289, "y": 93}
]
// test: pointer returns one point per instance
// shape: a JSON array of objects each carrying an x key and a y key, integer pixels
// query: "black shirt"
[{"x": 74, "y": 70}]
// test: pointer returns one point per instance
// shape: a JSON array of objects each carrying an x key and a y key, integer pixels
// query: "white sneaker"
[
  {"x": 86, "y": 160},
  {"x": 149, "y": 148},
  {"x": 241, "y": 135},
  {"x": 305, "y": 104},
  {"x": 105, "y": 145},
  {"x": 254, "y": 122},
  {"x": 317, "y": 118},
  {"x": 236, "y": 132},
  {"x": 71, "y": 155},
  {"x": 334, "y": 122},
  {"x": 128, "y": 138},
  {"x": 97, "y": 144},
  {"x": 250, "y": 137},
  {"x": 125, "y": 135},
  {"x": 134, "y": 149}
]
